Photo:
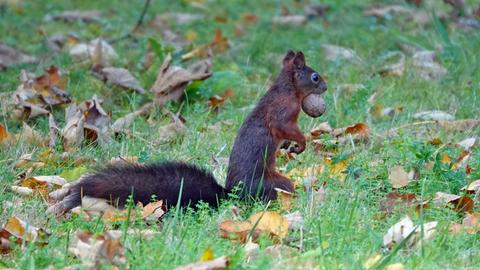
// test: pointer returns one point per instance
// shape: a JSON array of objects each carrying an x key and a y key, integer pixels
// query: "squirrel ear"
[
  {"x": 299, "y": 60},
  {"x": 289, "y": 56}
]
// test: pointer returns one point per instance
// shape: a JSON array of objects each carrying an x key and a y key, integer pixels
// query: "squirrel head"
[{"x": 305, "y": 79}]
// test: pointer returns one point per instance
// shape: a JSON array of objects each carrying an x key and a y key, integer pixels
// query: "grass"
[{"x": 345, "y": 230}]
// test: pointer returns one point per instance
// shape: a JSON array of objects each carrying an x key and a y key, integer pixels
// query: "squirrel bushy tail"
[{"x": 165, "y": 181}]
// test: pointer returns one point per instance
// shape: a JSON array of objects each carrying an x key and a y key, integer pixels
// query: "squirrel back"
[{"x": 164, "y": 181}]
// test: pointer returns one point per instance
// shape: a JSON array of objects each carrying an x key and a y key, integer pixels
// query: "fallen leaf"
[
  {"x": 3, "y": 134},
  {"x": 21, "y": 230},
  {"x": 121, "y": 77},
  {"x": 30, "y": 135},
  {"x": 295, "y": 220},
  {"x": 170, "y": 131},
  {"x": 470, "y": 224},
  {"x": 394, "y": 201},
  {"x": 357, "y": 132},
  {"x": 10, "y": 57},
  {"x": 401, "y": 230},
  {"x": 468, "y": 143},
  {"x": 316, "y": 10},
  {"x": 473, "y": 187},
  {"x": 216, "y": 101},
  {"x": 239, "y": 231},
  {"x": 96, "y": 51},
  {"x": 398, "y": 177},
  {"x": 317, "y": 131},
  {"x": 294, "y": 20},
  {"x": 97, "y": 121},
  {"x": 95, "y": 250},
  {"x": 59, "y": 41},
  {"x": 75, "y": 15},
  {"x": 460, "y": 125},
  {"x": 271, "y": 222},
  {"x": 395, "y": 266},
  {"x": 393, "y": 64},
  {"x": 333, "y": 53},
  {"x": 177, "y": 17},
  {"x": 73, "y": 132},
  {"x": 285, "y": 198},
  {"x": 459, "y": 203},
  {"x": 154, "y": 211},
  {"x": 426, "y": 67},
  {"x": 171, "y": 80},
  {"x": 124, "y": 123},
  {"x": 215, "y": 264},
  {"x": 434, "y": 115}
]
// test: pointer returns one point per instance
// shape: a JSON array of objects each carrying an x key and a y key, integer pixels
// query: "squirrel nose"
[{"x": 323, "y": 86}]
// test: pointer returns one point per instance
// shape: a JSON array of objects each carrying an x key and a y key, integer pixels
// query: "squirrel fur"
[{"x": 252, "y": 160}]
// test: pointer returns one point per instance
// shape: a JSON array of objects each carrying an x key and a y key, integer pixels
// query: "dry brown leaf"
[
  {"x": 459, "y": 203},
  {"x": 434, "y": 115},
  {"x": 470, "y": 224},
  {"x": 333, "y": 53},
  {"x": 21, "y": 230},
  {"x": 26, "y": 161},
  {"x": 473, "y": 187},
  {"x": 172, "y": 130},
  {"x": 270, "y": 222},
  {"x": 59, "y": 41},
  {"x": 357, "y": 132},
  {"x": 120, "y": 77},
  {"x": 124, "y": 123},
  {"x": 294, "y": 20},
  {"x": 54, "y": 131},
  {"x": 398, "y": 232},
  {"x": 393, "y": 64},
  {"x": 239, "y": 231},
  {"x": 97, "y": 121},
  {"x": 215, "y": 264},
  {"x": 285, "y": 198},
  {"x": 426, "y": 67},
  {"x": 73, "y": 132},
  {"x": 4, "y": 135},
  {"x": 76, "y": 15},
  {"x": 460, "y": 125},
  {"x": 398, "y": 177},
  {"x": 316, "y": 10},
  {"x": 171, "y": 80},
  {"x": 394, "y": 201},
  {"x": 216, "y": 101},
  {"x": 35, "y": 93},
  {"x": 93, "y": 250},
  {"x": 97, "y": 52},
  {"x": 154, "y": 211},
  {"x": 30, "y": 135},
  {"x": 295, "y": 220},
  {"x": 10, "y": 56},
  {"x": 317, "y": 131}
]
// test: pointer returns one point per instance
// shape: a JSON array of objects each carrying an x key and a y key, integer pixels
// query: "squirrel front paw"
[
  {"x": 285, "y": 145},
  {"x": 297, "y": 149}
]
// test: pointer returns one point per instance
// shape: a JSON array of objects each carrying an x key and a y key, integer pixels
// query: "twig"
[{"x": 137, "y": 25}]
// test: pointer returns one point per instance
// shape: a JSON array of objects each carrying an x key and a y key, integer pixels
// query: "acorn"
[{"x": 313, "y": 105}]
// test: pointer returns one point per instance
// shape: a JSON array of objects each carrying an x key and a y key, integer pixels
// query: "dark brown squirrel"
[{"x": 252, "y": 161}]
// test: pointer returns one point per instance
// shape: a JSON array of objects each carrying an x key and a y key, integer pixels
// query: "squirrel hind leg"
[{"x": 277, "y": 181}]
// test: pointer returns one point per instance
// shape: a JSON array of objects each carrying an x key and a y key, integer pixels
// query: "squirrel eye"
[{"x": 314, "y": 77}]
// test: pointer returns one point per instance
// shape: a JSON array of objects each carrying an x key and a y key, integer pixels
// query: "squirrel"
[{"x": 251, "y": 167}]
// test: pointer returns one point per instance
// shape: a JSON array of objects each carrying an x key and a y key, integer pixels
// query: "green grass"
[{"x": 341, "y": 233}]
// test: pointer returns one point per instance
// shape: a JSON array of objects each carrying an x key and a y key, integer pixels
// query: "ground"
[{"x": 341, "y": 232}]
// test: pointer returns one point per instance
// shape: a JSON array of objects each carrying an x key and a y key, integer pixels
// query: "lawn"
[{"x": 382, "y": 70}]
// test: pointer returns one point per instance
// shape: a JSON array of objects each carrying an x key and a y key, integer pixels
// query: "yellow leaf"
[
  {"x": 271, "y": 222},
  {"x": 395, "y": 266},
  {"x": 370, "y": 262},
  {"x": 285, "y": 199},
  {"x": 207, "y": 255},
  {"x": 191, "y": 36},
  {"x": 446, "y": 159}
]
